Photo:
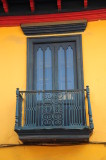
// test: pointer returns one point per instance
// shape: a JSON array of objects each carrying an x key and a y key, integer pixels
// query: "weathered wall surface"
[{"x": 13, "y": 74}]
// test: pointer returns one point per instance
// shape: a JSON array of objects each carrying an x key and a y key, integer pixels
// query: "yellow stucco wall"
[
  {"x": 13, "y": 75},
  {"x": 77, "y": 152}
]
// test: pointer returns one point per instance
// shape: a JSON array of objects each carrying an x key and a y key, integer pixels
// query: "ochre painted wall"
[
  {"x": 77, "y": 152},
  {"x": 13, "y": 74}
]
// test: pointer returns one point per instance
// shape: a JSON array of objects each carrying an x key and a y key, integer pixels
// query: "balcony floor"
[{"x": 54, "y": 135}]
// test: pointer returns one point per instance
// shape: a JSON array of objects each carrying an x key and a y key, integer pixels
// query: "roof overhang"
[
  {"x": 15, "y": 12},
  {"x": 92, "y": 15}
]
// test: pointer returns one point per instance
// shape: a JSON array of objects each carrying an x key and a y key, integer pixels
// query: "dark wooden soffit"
[
  {"x": 35, "y": 7},
  {"x": 32, "y": 3},
  {"x": 54, "y": 28}
]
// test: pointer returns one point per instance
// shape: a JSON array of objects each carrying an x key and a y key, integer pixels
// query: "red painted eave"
[
  {"x": 85, "y": 3},
  {"x": 5, "y": 5},
  {"x": 92, "y": 15},
  {"x": 32, "y": 5},
  {"x": 59, "y": 4}
]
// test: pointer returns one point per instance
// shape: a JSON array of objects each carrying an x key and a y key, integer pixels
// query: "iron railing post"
[
  {"x": 17, "y": 109},
  {"x": 20, "y": 111},
  {"x": 89, "y": 109}
]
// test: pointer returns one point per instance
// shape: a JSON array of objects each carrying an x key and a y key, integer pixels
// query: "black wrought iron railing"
[{"x": 53, "y": 109}]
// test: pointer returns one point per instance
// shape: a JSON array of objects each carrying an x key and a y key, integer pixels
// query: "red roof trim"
[
  {"x": 5, "y": 5},
  {"x": 88, "y": 15},
  {"x": 32, "y": 5}
]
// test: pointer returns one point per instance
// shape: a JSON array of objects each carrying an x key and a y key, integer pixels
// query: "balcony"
[{"x": 53, "y": 116}]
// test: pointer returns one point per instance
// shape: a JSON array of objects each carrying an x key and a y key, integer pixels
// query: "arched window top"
[
  {"x": 61, "y": 50},
  {"x": 39, "y": 51},
  {"x": 48, "y": 50},
  {"x": 69, "y": 49}
]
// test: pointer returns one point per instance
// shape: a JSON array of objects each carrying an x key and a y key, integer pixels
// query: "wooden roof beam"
[
  {"x": 89, "y": 15},
  {"x": 85, "y": 3},
  {"x": 5, "y": 5},
  {"x": 32, "y": 5},
  {"x": 59, "y": 5}
]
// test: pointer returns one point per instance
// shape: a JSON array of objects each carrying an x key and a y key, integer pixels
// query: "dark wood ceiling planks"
[{"x": 27, "y": 7}]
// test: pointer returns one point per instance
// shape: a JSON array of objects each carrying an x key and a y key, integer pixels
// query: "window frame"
[
  {"x": 55, "y": 39},
  {"x": 54, "y": 48}
]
